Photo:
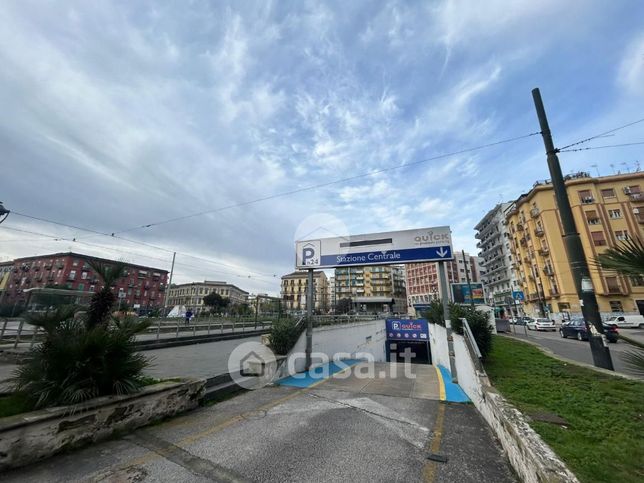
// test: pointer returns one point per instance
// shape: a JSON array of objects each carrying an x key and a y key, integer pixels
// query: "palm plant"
[
  {"x": 627, "y": 259},
  {"x": 83, "y": 357},
  {"x": 102, "y": 301}
]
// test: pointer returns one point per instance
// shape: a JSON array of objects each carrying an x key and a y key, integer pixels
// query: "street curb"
[{"x": 550, "y": 353}]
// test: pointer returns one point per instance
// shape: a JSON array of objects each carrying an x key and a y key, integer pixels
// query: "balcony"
[
  {"x": 554, "y": 292},
  {"x": 636, "y": 197},
  {"x": 534, "y": 212},
  {"x": 586, "y": 200},
  {"x": 538, "y": 231},
  {"x": 520, "y": 227},
  {"x": 543, "y": 251},
  {"x": 594, "y": 221},
  {"x": 523, "y": 241},
  {"x": 548, "y": 271}
]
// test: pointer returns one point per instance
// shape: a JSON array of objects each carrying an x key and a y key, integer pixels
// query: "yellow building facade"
[{"x": 607, "y": 210}]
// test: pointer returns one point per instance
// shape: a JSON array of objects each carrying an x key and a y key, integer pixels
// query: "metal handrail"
[{"x": 469, "y": 337}]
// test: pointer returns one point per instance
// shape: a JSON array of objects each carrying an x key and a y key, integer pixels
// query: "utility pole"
[
  {"x": 574, "y": 248},
  {"x": 167, "y": 290},
  {"x": 467, "y": 277},
  {"x": 443, "y": 281},
  {"x": 309, "y": 318}
]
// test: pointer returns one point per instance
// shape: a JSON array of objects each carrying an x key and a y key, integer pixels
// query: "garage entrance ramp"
[{"x": 418, "y": 381}]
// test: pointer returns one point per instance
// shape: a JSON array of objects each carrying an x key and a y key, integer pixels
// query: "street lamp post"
[
  {"x": 574, "y": 247},
  {"x": 4, "y": 213}
]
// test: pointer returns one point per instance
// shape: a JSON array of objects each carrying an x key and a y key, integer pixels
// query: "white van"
[{"x": 627, "y": 321}]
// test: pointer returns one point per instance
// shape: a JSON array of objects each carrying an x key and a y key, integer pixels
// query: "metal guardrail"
[
  {"x": 13, "y": 333},
  {"x": 472, "y": 345}
]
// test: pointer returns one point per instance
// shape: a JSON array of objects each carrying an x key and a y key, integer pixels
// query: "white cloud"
[{"x": 631, "y": 68}]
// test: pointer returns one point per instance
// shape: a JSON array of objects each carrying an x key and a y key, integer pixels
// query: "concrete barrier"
[
  {"x": 532, "y": 459},
  {"x": 26, "y": 438}
]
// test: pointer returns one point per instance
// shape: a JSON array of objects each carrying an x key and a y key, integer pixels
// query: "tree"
[
  {"x": 627, "y": 259},
  {"x": 102, "y": 301},
  {"x": 343, "y": 306},
  {"x": 83, "y": 355},
  {"x": 216, "y": 301}
]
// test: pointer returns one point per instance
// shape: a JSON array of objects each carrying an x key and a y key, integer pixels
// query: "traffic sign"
[
  {"x": 386, "y": 248},
  {"x": 518, "y": 295}
]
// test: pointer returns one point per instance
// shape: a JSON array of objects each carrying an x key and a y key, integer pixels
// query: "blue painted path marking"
[
  {"x": 317, "y": 374},
  {"x": 453, "y": 392}
]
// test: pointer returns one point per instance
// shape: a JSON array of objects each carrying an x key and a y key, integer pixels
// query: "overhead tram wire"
[
  {"x": 325, "y": 184},
  {"x": 72, "y": 240},
  {"x": 600, "y": 147},
  {"x": 136, "y": 242},
  {"x": 278, "y": 195},
  {"x": 601, "y": 134}
]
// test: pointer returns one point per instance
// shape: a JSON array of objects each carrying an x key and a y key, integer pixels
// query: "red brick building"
[
  {"x": 142, "y": 285},
  {"x": 422, "y": 278}
]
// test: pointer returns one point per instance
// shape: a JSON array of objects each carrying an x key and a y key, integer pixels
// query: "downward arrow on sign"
[{"x": 442, "y": 252}]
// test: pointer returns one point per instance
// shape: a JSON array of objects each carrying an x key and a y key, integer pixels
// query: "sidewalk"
[{"x": 321, "y": 433}]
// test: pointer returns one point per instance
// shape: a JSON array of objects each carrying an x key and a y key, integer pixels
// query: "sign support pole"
[
  {"x": 309, "y": 318},
  {"x": 442, "y": 279}
]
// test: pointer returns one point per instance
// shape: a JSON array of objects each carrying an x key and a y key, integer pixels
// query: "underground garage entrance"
[{"x": 407, "y": 341}]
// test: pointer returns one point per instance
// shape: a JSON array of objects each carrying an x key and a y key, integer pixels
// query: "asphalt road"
[
  {"x": 291, "y": 435},
  {"x": 580, "y": 350}
]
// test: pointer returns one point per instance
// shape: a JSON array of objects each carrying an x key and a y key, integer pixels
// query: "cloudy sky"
[{"x": 116, "y": 115}]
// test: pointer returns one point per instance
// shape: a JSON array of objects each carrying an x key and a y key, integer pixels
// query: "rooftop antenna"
[
  {"x": 613, "y": 166},
  {"x": 626, "y": 168},
  {"x": 597, "y": 168},
  {"x": 637, "y": 166}
]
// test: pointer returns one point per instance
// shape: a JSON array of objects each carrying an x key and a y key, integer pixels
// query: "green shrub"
[
  {"x": 76, "y": 363},
  {"x": 476, "y": 319},
  {"x": 284, "y": 335}
]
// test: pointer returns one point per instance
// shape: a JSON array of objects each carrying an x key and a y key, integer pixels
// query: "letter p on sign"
[{"x": 308, "y": 254}]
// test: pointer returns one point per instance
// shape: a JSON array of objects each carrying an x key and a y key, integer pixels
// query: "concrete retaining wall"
[
  {"x": 352, "y": 339},
  {"x": 532, "y": 459},
  {"x": 25, "y": 438},
  {"x": 438, "y": 345}
]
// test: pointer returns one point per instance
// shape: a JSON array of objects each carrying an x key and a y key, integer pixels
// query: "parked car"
[
  {"x": 541, "y": 324},
  {"x": 577, "y": 328},
  {"x": 627, "y": 321},
  {"x": 521, "y": 320}
]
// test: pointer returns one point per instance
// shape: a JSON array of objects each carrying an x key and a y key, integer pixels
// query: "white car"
[
  {"x": 627, "y": 321},
  {"x": 541, "y": 324}
]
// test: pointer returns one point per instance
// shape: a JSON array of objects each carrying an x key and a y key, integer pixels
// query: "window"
[
  {"x": 585, "y": 196},
  {"x": 75, "y": 263},
  {"x": 598, "y": 238},
  {"x": 634, "y": 189},
  {"x": 621, "y": 235},
  {"x": 592, "y": 218},
  {"x": 84, "y": 275},
  {"x": 615, "y": 213},
  {"x": 91, "y": 288},
  {"x": 81, "y": 286},
  {"x": 608, "y": 193},
  {"x": 637, "y": 281},
  {"x": 72, "y": 275},
  {"x": 616, "y": 306},
  {"x": 612, "y": 284}
]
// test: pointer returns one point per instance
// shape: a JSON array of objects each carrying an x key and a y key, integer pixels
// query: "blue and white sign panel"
[
  {"x": 406, "y": 246},
  {"x": 407, "y": 329}
]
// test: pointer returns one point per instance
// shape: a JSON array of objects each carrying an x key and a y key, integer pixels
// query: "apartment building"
[
  {"x": 607, "y": 210},
  {"x": 191, "y": 294},
  {"x": 294, "y": 287},
  {"x": 379, "y": 288},
  {"x": 330, "y": 294},
  {"x": 423, "y": 284},
  {"x": 142, "y": 286},
  {"x": 494, "y": 242}
]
